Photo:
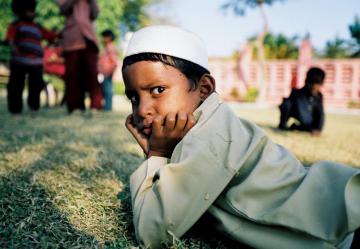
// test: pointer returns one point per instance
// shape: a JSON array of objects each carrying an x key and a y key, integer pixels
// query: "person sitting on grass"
[
  {"x": 305, "y": 105},
  {"x": 203, "y": 159},
  {"x": 24, "y": 37}
]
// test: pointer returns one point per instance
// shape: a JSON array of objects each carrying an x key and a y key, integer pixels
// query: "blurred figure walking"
[{"x": 81, "y": 53}]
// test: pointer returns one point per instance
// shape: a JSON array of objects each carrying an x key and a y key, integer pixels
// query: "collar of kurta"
[{"x": 208, "y": 106}]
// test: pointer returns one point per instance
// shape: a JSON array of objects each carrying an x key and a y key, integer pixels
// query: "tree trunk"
[{"x": 262, "y": 84}]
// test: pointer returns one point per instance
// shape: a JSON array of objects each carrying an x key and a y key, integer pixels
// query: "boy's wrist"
[{"x": 158, "y": 153}]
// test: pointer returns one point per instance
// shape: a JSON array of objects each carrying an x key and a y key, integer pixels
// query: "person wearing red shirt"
[{"x": 24, "y": 37}]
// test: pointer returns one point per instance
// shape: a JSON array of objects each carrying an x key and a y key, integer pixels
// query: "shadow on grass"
[
  {"x": 29, "y": 213},
  {"x": 28, "y": 217}
]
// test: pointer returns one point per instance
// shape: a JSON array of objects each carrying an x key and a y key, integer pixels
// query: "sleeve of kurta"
[{"x": 168, "y": 198}]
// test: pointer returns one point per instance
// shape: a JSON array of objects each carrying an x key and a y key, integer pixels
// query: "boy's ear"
[{"x": 206, "y": 86}]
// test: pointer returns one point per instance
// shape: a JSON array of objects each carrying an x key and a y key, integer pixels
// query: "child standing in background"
[
  {"x": 24, "y": 37},
  {"x": 107, "y": 66}
]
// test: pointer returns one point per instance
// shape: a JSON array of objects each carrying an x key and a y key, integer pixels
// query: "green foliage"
[
  {"x": 341, "y": 48},
  {"x": 111, "y": 13},
  {"x": 355, "y": 34},
  {"x": 6, "y": 17},
  {"x": 336, "y": 48},
  {"x": 134, "y": 14},
  {"x": 4, "y": 54},
  {"x": 251, "y": 94},
  {"x": 280, "y": 47},
  {"x": 48, "y": 15},
  {"x": 355, "y": 30},
  {"x": 239, "y": 6}
]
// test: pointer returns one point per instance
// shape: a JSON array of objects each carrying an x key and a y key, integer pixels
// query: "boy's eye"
[{"x": 157, "y": 90}]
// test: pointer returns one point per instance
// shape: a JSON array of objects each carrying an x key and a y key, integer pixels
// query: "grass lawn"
[{"x": 64, "y": 179}]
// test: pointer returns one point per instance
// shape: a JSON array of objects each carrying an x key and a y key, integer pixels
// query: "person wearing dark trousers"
[
  {"x": 24, "y": 37},
  {"x": 16, "y": 85},
  {"x": 80, "y": 48},
  {"x": 305, "y": 105},
  {"x": 80, "y": 77}
]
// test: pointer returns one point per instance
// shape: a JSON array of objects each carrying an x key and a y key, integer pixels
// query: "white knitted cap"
[{"x": 169, "y": 40}]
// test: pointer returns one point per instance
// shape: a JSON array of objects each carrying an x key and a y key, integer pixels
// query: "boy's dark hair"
[
  {"x": 191, "y": 70},
  {"x": 108, "y": 33},
  {"x": 20, "y": 6},
  {"x": 315, "y": 75}
]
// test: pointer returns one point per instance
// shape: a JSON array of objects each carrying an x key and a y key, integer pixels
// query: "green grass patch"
[{"x": 64, "y": 179}]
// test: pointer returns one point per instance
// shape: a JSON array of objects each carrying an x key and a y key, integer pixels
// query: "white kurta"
[{"x": 259, "y": 193}]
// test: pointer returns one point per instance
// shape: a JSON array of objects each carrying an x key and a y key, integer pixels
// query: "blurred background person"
[
  {"x": 305, "y": 105},
  {"x": 81, "y": 53},
  {"x": 107, "y": 66},
  {"x": 24, "y": 37}
]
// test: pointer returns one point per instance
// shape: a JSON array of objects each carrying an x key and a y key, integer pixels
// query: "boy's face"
[
  {"x": 106, "y": 40},
  {"x": 157, "y": 89},
  {"x": 28, "y": 15},
  {"x": 316, "y": 88}
]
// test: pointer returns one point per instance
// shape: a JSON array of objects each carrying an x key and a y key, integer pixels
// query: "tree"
[
  {"x": 280, "y": 47},
  {"x": 48, "y": 15},
  {"x": 5, "y": 18},
  {"x": 355, "y": 34},
  {"x": 135, "y": 16},
  {"x": 239, "y": 7},
  {"x": 112, "y": 12},
  {"x": 336, "y": 49},
  {"x": 110, "y": 16}
]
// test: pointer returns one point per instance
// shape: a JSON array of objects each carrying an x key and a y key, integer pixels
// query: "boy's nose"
[{"x": 145, "y": 109}]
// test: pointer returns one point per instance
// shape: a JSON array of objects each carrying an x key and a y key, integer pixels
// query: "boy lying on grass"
[{"x": 202, "y": 158}]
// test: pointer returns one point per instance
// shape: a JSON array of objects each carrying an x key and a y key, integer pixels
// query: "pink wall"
[{"x": 342, "y": 82}]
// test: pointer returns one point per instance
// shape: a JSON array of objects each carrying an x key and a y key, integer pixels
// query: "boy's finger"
[
  {"x": 129, "y": 122},
  {"x": 131, "y": 127},
  {"x": 181, "y": 121},
  {"x": 157, "y": 125},
  {"x": 139, "y": 137},
  {"x": 191, "y": 121},
  {"x": 170, "y": 121}
]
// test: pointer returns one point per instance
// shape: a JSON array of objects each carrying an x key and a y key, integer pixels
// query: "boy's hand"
[
  {"x": 167, "y": 132},
  {"x": 316, "y": 133},
  {"x": 139, "y": 137}
]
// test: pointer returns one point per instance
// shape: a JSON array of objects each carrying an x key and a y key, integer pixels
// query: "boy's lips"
[{"x": 146, "y": 130}]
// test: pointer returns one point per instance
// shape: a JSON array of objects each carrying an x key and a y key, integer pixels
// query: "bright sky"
[{"x": 224, "y": 33}]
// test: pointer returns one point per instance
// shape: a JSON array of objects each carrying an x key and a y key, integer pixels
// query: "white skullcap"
[{"x": 169, "y": 40}]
